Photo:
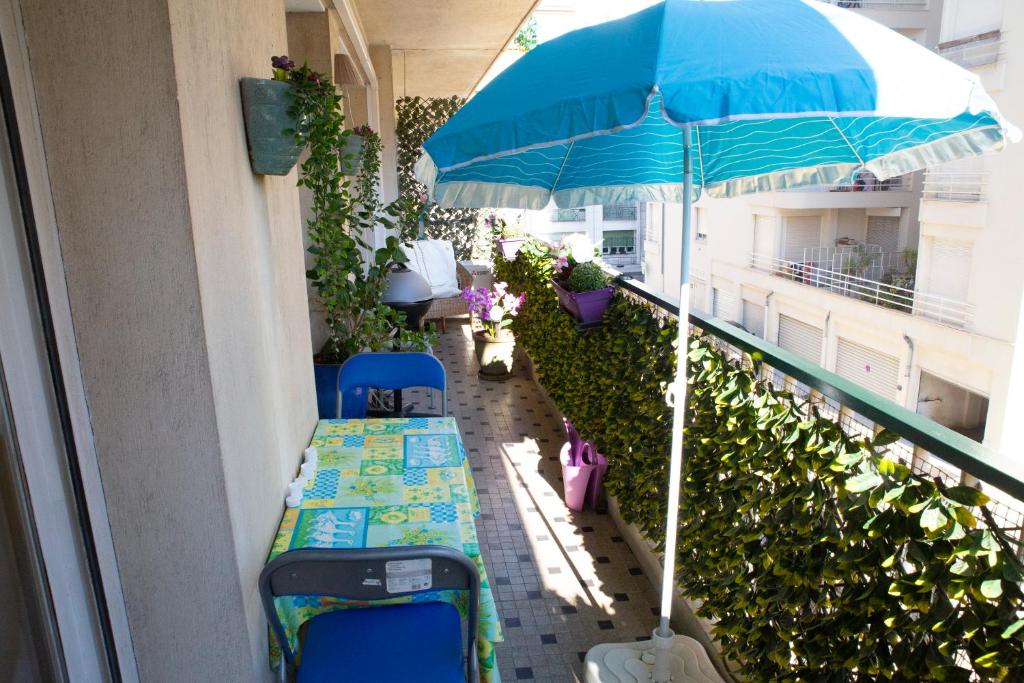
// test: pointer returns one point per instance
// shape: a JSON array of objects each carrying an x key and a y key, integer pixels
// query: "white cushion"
[{"x": 435, "y": 261}]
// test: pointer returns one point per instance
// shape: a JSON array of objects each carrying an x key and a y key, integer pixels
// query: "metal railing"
[
  {"x": 619, "y": 212},
  {"x": 976, "y": 51},
  {"x": 568, "y": 215},
  {"x": 897, "y": 184},
  {"x": 950, "y": 312},
  {"x": 926, "y": 446},
  {"x": 955, "y": 186},
  {"x": 916, "y": 5}
]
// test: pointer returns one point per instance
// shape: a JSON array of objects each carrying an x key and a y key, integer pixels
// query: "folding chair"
[{"x": 389, "y": 644}]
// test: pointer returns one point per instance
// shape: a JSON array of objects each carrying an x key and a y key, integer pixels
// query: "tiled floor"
[{"x": 564, "y": 581}]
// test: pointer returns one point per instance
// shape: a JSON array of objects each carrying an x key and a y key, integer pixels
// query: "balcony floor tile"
[{"x": 563, "y": 574}]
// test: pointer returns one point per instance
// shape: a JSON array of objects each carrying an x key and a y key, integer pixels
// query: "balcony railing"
[
  {"x": 619, "y": 212},
  {"x": 926, "y": 447},
  {"x": 897, "y": 184},
  {"x": 917, "y": 5},
  {"x": 975, "y": 51},
  {"x": 955, "y": 186},
  {"x": 940, "y": 309},
  {"x": 568, "y": 215}
]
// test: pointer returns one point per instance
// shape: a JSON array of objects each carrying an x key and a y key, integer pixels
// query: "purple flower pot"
[
  {"x": 586, "y": 307},
  {"x": 510, "y": 247}
]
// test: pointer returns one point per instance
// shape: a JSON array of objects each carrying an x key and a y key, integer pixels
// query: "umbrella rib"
[
  {"x": 554, "y": 185},
  {"x": 846, "y": 140},
  {"x": 700, "y": 156}
]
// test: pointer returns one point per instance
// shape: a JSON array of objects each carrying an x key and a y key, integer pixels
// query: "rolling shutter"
[
  {"x": 802, "y": 233},
  {"x": 873, "y": 370},
  {"x": 764, "y": 236},
  {"x": 885, "y": 232},
  {"x": 724, "y": 304},
  {"x": 800, "y": 338},
  {"x": 753, "y": 318},
  {"x": 950, "y": 269}
]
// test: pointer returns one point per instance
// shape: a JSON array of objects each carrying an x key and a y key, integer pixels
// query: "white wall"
[{"x": 185, "y": 278}]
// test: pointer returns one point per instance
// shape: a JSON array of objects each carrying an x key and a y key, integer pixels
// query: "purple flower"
[{"x": 282, "y": 62}]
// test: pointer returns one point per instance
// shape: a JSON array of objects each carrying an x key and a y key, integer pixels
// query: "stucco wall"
[{"x": 185, "y": 278}]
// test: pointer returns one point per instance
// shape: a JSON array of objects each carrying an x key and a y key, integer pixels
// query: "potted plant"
[
  {"x": 349, "y": 275},
  {"x": 353, "y": 151},
  {"x": 495, "y": 344},
  {"x": 271, "y": 120},
  {"x": 580, "y": 282},
  {"x": 508, "y": 241}
]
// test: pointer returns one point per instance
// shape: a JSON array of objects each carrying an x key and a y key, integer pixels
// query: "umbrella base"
[{"x": 634, "y": 662}]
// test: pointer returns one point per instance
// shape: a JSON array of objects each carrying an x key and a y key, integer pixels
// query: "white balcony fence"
[
  {"x": 946, "y": 311},
  {"x": 955, "y": 186},
  {"x": 913, "y": 5},
  {"x": 977, "y": 51}
]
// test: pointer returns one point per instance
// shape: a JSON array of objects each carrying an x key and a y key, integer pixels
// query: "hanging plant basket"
[
  {"x": 587, "y": 307},
  {"x": 265, "y": 106},
  {"x": 352, "y": 154},
  {"x": 510, "y": 246}
]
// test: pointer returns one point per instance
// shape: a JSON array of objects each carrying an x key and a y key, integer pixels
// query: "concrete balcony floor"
[{"x": 564, "y": 581}]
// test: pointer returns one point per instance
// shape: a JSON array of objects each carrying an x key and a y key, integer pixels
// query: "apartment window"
[
  {"x": 952, "y": 406},
  {"x": 950, "y": 269},
  {"x": 700, "y": 229}
]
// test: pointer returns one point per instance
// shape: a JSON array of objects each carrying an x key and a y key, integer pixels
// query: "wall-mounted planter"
[
  {"x": 351, "y": 154},
  {"x": 265, "y": 105},
  {"x": 586, "y": 307},
  {"x": 509, "y": 247}
]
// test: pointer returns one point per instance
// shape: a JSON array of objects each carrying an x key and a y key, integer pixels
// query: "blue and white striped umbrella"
[
  {"x": 732, "y": 96},
  {"x": 772, "y": 94}
]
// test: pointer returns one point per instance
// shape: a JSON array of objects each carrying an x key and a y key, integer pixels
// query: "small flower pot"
[
  {"x": 586, "y": 307},
  {"x": 352, "y": 154},
  {"x": 495, "y": 354},
  {"x": 509, "y": 247},
  {"x": 265, "y": 107}
]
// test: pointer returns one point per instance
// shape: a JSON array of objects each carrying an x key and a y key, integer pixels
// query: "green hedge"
[
  {"x": 820, "y": 559},
  {"x": 416, "y": 120}
]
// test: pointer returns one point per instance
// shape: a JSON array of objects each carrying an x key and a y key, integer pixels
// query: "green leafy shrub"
[
  {"x": 348, "y": 274},
  {"x": 586, "y": 277},
  {"x": 820, "y": 558}
]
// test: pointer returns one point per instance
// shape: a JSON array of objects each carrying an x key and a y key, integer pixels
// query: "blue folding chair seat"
[
  {"x": 413, "y": 642},
  {"x": 396, "y": 644}
]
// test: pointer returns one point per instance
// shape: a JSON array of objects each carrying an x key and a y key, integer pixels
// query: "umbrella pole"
[{"x": 664, "y": 635}]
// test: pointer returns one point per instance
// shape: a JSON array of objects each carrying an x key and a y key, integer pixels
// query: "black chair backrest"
[{"x": 362, "y": 574}]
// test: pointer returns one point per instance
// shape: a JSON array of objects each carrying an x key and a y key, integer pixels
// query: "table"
[{"x": 389, "y": 482}]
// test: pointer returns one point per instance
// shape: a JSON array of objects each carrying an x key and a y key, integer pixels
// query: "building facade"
[{"x": 907, "y": 287}]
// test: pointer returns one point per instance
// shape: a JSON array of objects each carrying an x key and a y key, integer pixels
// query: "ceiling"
[{"x": 442, "y": 47}]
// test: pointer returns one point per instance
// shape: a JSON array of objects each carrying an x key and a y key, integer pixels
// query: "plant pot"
[
  {"x": 325, "y": 375},
  {"x": 495, "y": 354},
  {"x": 352, "y": 154},
  {"x": 586, "y": 307},
  {"x": 509, "y": 247},
  {"x": 265, "y": 106}
]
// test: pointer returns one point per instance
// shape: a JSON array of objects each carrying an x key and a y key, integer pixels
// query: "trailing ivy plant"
[
  {"x": 417, "y": 119},
  {"x": 348, "y": 274},
  {"x": 818, "y": 556}
]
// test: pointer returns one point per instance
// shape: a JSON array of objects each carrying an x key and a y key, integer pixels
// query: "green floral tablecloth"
[{"x": 389, "y": 482}]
